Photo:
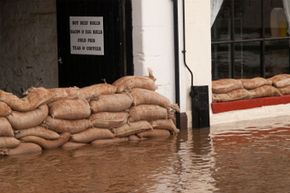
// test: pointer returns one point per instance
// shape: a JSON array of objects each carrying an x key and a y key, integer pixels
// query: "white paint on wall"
[{"x": 153, "y": 42}]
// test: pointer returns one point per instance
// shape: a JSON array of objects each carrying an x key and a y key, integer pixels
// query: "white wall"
[{"x": 153, "y": 42}]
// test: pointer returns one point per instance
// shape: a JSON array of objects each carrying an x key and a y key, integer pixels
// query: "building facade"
[{"x": 156, "y": 31}]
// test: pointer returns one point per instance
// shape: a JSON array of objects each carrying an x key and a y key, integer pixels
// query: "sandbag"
[
  {"x": 284, "y": 90},
  {"x": 132, "y": 128},
  {"x": 130, "y": 82},
  {"x": 33, "y": 100},
  {"x": 281, "y": 80},
  {"x": 70, "y": 109},
  {"x": 134, "y": 138},
  {"x": 147, "y": 112},
  {"x": 237, "y": 94},
  {"x": 96, "y": 90},
  {"x": 5, "y": 128},
  {"x": 5, "y": 110},
  {"x": 25, "y": 148},
  {"x": 92, "y": 134},
  {"x": 155, "y": 133},
  {"x": 111, "y": 103},
  {"x": 109, "y": 119},
  {"x": 56, "y": 93},
  {"x": 165, "y": 124},
  {"x": 25, "y": 120},
  {"x": 264, "y": 91},
  {"x": 72, "y": 145},
  {"x": 255, "y": 82},
  {"x": 48, "y": 144},
  {"x": 144, "y": 96},
  {"x": 8, "y": 142},
  {"x": 109, "y": 141},
  {"x": 71, "y": 126},
  {"x": 222, "y": 86},
  {"x": 37, "y": 131}
]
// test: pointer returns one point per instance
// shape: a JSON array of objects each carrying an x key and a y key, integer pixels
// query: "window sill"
[{"x": 249, "y": 103}]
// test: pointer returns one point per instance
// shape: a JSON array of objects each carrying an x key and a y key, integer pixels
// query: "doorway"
[{"x": 94, "y": 41}]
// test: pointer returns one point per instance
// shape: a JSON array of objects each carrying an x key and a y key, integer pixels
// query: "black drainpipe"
[
  {"x": 176, "y": 59},
  {"x": 184, "y": 44}
]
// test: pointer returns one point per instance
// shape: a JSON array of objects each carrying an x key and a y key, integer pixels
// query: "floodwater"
[{"x": 248, "y": 158}]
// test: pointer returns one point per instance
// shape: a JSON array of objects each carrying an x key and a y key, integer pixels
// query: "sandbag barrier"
[
  {"x": 46, "y": 118},
  {"x": 237, "y": 89}
]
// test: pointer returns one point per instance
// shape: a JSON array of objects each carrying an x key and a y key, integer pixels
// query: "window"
[{"x": 249, "y": 39}]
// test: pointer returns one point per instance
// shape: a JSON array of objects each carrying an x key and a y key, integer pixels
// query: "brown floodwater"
[{"x": 251, "y": 160}]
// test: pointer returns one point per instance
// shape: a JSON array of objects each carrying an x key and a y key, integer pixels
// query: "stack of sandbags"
[
  {"x": 27, "y": 112},
  {"x": 129, "y": 109},
  {"x": 237, "y": 89},
  {"x": 110, "y": 111},
  {"x": 228, "y": 90},
  {"x": 72, "y": 116},
  {"x": 260, "y": 87},
  {"x": 282, "y": 83},
  {"x": 150, "y": 114}
]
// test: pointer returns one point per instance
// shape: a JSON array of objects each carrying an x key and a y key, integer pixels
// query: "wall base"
[{"x": 183, "y": 120}]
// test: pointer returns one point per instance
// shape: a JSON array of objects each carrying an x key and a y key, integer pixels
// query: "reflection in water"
[{"x": 250, "y": 159}]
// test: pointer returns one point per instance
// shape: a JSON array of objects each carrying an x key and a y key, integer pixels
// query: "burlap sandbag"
[
  {"x": 255, "y": 82},
  {"x": 72, "y": 145},
  {"x": 222, "y": 86},
  {"x": 109, "y": 119},
  {"x": 56, "y": 93},
  {"x": 5, "y": 110},
  {"x": 284, "y": 90},
  {"x": 109, "y": 141},
  {"x": 25, "y": 120},
  {"x": 237, "y": 94},
  {"x": 25, "y": 148},
  {"x": 92, "y": 134},
  {"x": 130, "y": 82},
  {"x": 147, "y": 112},
  {"x": 96, "y": 90},
  {"x": 264, "y": 91},
  {"x": 166, "y": 124},
  {"x": 70, "y": 109},
  {"x": 155, "y": 133},
  {"x": 111, "y": 103},
  {"x": 37, "y": 131},
  {"x": 71, "y": 126},
  {"x": 144, "y": 96},
  {"x": 281, "y": 80},
  {"x": 134, "y": 138},
  {"x": 132, "y": 128},
  {"x": 30, "y": 102},
  {"x": 48, "y": 144},
  {"x": 5, "y": 128},
  {"x": 8, "y": 142}
]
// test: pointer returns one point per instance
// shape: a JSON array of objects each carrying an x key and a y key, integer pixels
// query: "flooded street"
[{"x": 251, "y": 159}]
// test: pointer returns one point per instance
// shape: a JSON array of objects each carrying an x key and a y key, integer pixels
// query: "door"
[{"x": 94, "y": 41}]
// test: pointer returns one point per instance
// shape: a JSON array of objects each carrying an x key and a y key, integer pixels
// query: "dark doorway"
[{"x": 94, "y": 41}]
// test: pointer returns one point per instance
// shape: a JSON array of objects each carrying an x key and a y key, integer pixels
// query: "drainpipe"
[
  {"x": 184, "y": 43},
  {"x": 176, "y": 59}
]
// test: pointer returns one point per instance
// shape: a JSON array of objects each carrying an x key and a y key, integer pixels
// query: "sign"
[{"x": 86, "y": 35}]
